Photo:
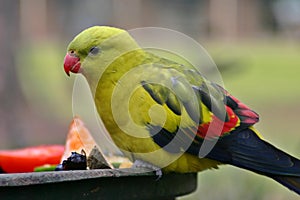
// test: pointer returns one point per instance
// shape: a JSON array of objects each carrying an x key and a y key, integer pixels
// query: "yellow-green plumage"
[{"x": 137, "y": 92}]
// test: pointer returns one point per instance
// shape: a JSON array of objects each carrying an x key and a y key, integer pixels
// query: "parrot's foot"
[{"x": 144, "y": 164}]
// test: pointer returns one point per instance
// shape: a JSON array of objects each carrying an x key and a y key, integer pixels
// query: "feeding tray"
[{"x": 96, "y": 184}]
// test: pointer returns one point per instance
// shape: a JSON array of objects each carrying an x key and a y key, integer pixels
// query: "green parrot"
[{"x": 166, "y": 115}]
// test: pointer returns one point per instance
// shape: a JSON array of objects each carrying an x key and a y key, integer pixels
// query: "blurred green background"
[{"x": 256, "y": 45}]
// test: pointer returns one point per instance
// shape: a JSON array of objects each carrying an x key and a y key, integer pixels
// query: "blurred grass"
[
  {"x": 47, "y": 91},
  {"x": 43, "y": 81},
  {"x": 265, "y": 76}
]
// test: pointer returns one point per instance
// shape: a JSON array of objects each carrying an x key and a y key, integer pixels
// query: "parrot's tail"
[
  {"x": 291, "y": 182},
  {"x": 245, "y": 149}
]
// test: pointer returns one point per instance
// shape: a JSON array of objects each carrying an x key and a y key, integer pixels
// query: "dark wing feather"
[{"x": 244, "y": 149}]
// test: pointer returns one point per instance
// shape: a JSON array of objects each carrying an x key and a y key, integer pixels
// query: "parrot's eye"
[
  {"x": 94, "y": 50},
  {"x": 72, "y": 53}
]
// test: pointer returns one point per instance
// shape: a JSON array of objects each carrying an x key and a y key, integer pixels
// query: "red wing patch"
[
  {"x": 245, "y": 114},
  {"x": 217, "y": 127}
]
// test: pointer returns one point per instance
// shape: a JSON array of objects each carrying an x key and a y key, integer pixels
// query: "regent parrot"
[{"x": 162, "y": 112}]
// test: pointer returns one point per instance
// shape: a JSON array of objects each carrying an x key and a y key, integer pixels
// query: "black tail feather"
[
  {"x": 291, "y": 182},
  {"x": 246, "y": 150}
]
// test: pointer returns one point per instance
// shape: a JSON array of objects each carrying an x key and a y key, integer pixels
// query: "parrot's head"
[{"x": 93, "y": 47}]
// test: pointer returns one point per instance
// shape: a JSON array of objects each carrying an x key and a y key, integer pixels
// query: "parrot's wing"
[
  {"x": 238, "y": 143},
  {"x": 185, "y": 90},
  {"x": 181, "y": 88}
]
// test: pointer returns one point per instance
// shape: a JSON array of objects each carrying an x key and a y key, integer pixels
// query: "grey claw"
[{"x": 144, "y": 164}]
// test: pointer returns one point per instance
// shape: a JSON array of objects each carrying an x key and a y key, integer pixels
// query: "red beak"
[{"x": 71, "y": 63}]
